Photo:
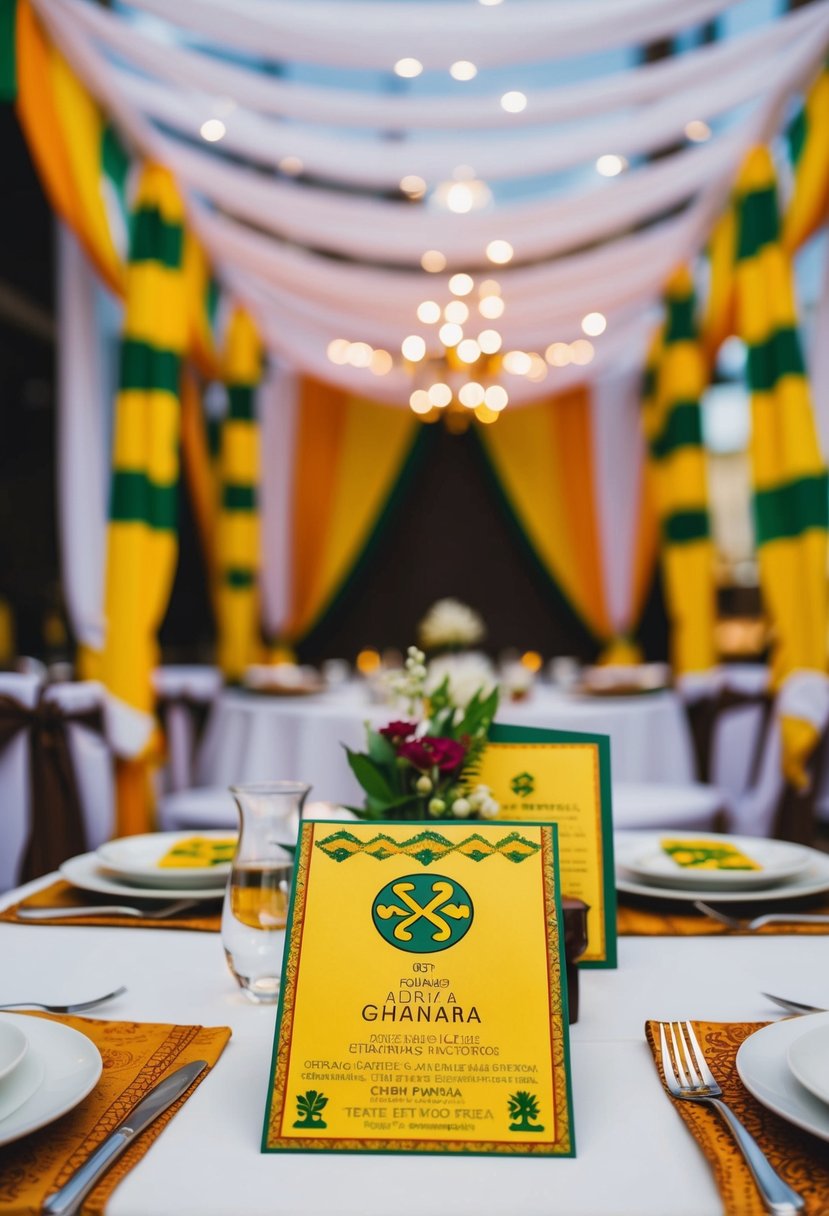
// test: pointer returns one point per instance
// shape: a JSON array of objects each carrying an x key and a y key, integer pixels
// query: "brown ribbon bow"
[{"x": 56, "y": 826}]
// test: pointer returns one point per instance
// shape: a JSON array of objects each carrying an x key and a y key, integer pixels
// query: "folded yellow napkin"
[
  {"x": 60, "y": 894},
  {"x": 801, "y": 1159},
  {"x": 136, "y": 1056},
  {"x": 635, "y": 918}
]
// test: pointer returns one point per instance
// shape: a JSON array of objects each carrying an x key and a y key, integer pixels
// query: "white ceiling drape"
[{"x": 324, "y": 257}]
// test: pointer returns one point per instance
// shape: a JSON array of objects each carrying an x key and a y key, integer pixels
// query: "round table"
[{"x": 257, "y": 737}]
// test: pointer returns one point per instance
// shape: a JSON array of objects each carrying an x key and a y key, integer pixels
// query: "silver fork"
[
  {"x": 770, "y": 918},
  {"x": 689, "y": 1078},
  {"x": 78, "y": 1006},
  {"x": 107, "y": 910}
]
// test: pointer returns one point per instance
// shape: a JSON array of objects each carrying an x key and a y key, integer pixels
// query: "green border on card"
[{"x": 504, "y": 733}]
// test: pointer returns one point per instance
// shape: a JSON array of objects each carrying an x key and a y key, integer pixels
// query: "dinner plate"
[
  {"x": 71, "y": 1067},
  {"x": 135, "y": 859},
  {"x": 13, "y": 1047},
  {"x": 814, "y": 880},
  {"x": 84, "y": 871},
  {"x": 764, "y": 1070},
  {"x": 808, "y": 1058},
  {"x": 19, "y": 1086},
  {"x": 643, "y": 856}
]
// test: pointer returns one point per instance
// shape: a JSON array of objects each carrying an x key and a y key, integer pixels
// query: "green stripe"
[
  {"x": 8, "y": 59},
  {"x": 789, "y": 510},
  {"x": 136, "y": 499},
  {"x": 758, "y": 223},
  {"x": 683, "y": 526},
  {"x": 780, "y": 355},
  {"x": 115, "y": 160},
  {"x": 680, "y": 326},
  {"x": 239, "y": 579},
  {"x": 682, "y": 429},
  {"x": 241, "y": 402},
  {"x": 212, "y": 299},
  {"x": 143, "y": 367},
  {"x": 796, "y": 135},
  {"x": 154, "y": 239},
  {"x": 239, "y": 498}
]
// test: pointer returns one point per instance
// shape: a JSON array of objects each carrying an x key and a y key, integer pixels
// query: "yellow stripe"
[
  {"x": 682, "y": 480},
  {"x": 240, "y": 540},
  {"x": 783, "y": 441},
  {"x": 240, "y": 451},
  {"x": 146, "y": 437},
  {"x": 809, "y": 203},
  {"x": 243, "y": 363},
  {"x": 688, "y": 571},
  {"x": 81, "y": 130},
  {"x": 155, "y": 306}
]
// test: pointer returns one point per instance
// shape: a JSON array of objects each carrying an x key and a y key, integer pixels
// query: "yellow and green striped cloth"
[
  {"x": 791, "y": 498},
  {"x": 674, "y": 382},
  {"x": 237, "y": 596}
]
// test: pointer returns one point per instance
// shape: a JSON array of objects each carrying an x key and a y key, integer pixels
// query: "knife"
[{"x": 67, "y": 1200}]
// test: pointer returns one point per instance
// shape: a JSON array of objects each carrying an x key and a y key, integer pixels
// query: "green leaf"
[
  {"x": 370, "y": 775},
  {"x": 379, "y": 749}
]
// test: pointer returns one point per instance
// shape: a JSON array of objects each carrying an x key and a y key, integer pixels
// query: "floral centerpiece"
[
  {"x": 424, "y": 767},
  {"x": 450, "y": 625}
]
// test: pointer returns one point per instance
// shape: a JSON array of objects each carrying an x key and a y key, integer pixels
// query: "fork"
[
  {"x": 78, "y": 1006},
  {"x": 770, "y": 918},
  {"x": 107, "y": 910},
  {"x": 689, "y": 1078}
]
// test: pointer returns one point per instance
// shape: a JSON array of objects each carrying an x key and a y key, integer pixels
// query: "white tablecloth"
[
  {"x": 635, "y": 1156},
  {"x": 251, "y": 737}
]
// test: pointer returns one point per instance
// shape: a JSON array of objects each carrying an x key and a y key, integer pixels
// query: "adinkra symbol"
[
  {"x": 309, "y": 1107},
  {"x": 523, "y": 784},
  {"x": 523, "y": 1110},
  {"x": 422, "y": 913}
]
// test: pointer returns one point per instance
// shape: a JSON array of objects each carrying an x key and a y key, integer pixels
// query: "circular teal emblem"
[{"x": 422, "y": 913}]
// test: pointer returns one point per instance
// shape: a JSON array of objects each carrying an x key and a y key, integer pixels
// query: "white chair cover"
[
  {"x": 738, "y": 729},
  {"x": 92, "y": 759},
  {"x": 180, "y": 684},
  {"x": 14, "y": 781},
  {"x": 194, "y": 809}
]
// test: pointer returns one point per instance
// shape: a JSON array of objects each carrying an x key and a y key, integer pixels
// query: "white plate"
[
  {"x": 84, "y": 871},
  {"x": 135, "y": 859},
  {"x": 642, "y": 855},
  {"x": 814, "y": 880},
  {"x": 764, "y": 1070},
  {"x": 13, "y": 1047},
  {"x": 71, "y": 1067},
  {"x": 808, "y": 1058},
  {"x": 19, "y": 1087}
]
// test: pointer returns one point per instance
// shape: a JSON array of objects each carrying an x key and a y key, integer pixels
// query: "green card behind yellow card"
[{"x": 423, "y": 1006}]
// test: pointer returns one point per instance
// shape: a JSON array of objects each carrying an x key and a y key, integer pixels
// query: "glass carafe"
[{"x": 256, "y": 901}]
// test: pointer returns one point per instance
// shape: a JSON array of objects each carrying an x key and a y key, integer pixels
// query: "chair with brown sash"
[
  {"x": 184, "y": 697},
  {"x": 56, "y": 780}
]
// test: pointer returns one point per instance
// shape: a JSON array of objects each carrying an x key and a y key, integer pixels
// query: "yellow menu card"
[
  {"x": 423, "y": 1004},
  {"x": 564, "y": 777}
]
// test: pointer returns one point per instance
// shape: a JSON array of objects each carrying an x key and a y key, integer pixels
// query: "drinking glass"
[{"x": 255, "y": 909}]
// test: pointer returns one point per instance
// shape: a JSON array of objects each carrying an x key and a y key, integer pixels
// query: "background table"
[
  {"x": 254, "y": 737},
  {"x": 635, "y": 1156}
]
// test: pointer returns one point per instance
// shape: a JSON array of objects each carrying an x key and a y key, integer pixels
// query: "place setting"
[
  {"x": 159, "y": 879},
  {"x": 698, "y": 883}
]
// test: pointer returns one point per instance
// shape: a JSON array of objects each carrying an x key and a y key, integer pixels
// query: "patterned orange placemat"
[
  {"x": 136, "y": 1055},
  {"x": 665, "y": 918},
  {"x": 62, "y": 894},
  {"x": 801, "y": 1159}
]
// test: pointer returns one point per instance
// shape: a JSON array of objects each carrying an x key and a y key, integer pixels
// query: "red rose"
[
  {"x": 445, "y": 755},
  {"x": 397, "y": 732}
]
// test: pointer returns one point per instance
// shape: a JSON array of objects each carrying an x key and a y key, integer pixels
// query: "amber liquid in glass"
[{"x": 253, "y": 925}]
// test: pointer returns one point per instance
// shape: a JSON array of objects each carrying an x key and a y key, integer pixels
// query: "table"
[
  {"x": 254, "y": 737},
  {"x": 635, "y": 1156}
]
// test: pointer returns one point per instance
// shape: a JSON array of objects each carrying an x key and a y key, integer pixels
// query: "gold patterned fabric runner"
[
  {"x": 62, "y": 894},
  {"x": 801, "y": 1159},
  {"x": 136, "y": 1056},
  {"x": 666, "y": 918}
]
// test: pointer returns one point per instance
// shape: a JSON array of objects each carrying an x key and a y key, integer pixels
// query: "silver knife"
[{"x": 67, "y": 1200}]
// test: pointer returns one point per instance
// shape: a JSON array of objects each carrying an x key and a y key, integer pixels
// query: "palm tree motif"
[
  {"x": 309, "y": 1108},
  {"x": 523, "y": 1109}
]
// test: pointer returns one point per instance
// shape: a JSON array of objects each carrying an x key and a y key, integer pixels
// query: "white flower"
[
  {"x": 423, "y": 785},
  {"x": 461, "y": 807},
  {"x": 468, "y": 674},
  {"x": 437, "y": 806},
  {"x": 450, "y": 623},
  {"x": 490, "y": 808}
]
